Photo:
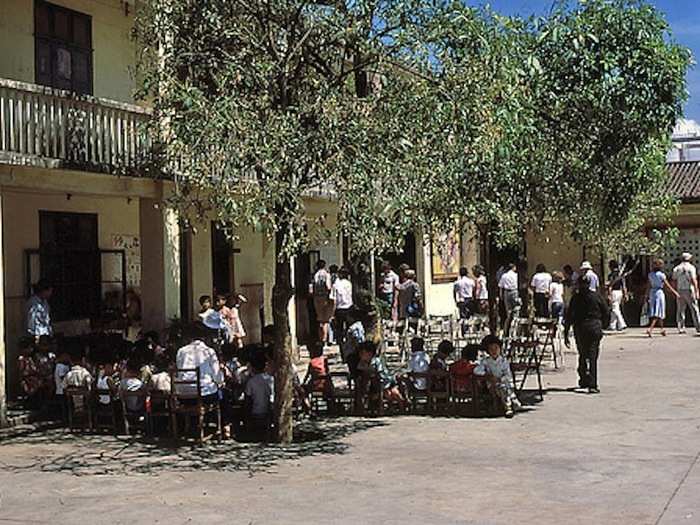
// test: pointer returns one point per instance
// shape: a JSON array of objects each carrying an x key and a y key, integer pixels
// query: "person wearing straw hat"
[
  {"x": 591, "y": 277},
  {"x": 685, "y": 277}
]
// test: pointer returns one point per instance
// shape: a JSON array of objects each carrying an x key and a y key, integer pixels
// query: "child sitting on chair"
[
  {"x": 496, "y": 368},
  {"x": 461, "y": 371},
  {"x": 374, "y": 366},
  {"x": 259, "y": 398},
  {"x": 419, "y": 362}
]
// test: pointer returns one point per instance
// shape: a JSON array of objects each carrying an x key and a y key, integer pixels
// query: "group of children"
[{"x": 223, "y": 316}]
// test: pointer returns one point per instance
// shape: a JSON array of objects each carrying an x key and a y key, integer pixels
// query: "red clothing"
[
  {"x": 318, "y": 370},
  {"x": 461, "y": 372}
]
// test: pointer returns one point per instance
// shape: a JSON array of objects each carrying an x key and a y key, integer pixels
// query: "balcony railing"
[{"x": 46, "y": 127}]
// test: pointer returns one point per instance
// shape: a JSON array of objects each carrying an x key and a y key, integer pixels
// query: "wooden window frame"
[{"x": 53, "y": 42}]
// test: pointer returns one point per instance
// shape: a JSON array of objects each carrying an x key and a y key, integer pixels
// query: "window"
[
  {"x": 71, "y": 261},
  {"x": 63, "y": 48}
]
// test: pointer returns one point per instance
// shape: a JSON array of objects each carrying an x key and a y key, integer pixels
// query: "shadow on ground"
[{"x": 94, "y": 454}]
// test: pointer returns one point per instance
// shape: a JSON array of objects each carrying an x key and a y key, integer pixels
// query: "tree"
[{"x": 258, "y": 103}]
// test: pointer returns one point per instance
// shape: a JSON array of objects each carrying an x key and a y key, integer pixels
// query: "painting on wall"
[{"x": 445, "y": 257}]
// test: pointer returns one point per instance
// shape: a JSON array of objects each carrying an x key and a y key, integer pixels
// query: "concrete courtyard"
[{"x": 628, "y": 455}]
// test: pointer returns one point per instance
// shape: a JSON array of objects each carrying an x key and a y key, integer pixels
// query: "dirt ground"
[{"x": 628, "y": 455}]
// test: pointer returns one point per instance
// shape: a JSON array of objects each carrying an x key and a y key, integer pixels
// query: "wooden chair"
[
  {"x": 158, "y": 409},
  {"x": 439, "y": 391},
  {"x": 546, "y": 336},
  {"x": 134, "y": 413},
  {"x": 79, "y": 407},
  {"x": 418, "y": 396},
  {"x": 104, "y": 414},
  {"x": 524, "y": 358},
  {"x": 343, "y": 392},
  {"x": 186, "y": 400},
  {"x": 464, "y": 395}
]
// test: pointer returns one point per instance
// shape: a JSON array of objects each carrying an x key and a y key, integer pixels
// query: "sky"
[{"x": 682, "y": 15}]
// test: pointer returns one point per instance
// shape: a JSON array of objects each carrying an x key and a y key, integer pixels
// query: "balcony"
[{"x": 50, "y": 128}]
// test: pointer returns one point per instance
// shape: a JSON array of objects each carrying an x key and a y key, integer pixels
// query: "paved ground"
[{"x": 628, "y": 455}]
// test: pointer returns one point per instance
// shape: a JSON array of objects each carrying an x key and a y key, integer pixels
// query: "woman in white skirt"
[{"x": 657, "y": 299}]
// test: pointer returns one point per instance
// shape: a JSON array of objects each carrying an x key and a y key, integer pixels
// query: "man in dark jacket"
[{"x": 587, "y": 312}]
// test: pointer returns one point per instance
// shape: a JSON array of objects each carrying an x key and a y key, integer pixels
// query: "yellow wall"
[
  {"x": 113, "y": 50},
  {"x": 21, "y": 232},
  {"x": 554, "y": 250}
]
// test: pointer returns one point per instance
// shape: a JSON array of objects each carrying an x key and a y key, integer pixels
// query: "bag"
[{"x": 414, "y": 309}]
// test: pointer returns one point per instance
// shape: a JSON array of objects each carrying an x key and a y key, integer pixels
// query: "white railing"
[{"x": 55, "y": 128}]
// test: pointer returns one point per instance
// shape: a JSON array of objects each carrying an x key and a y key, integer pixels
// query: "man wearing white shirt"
[
  {"x": 198, "y": 355},
  {"x": 463, "y": 291},
  {"x": 508, "y": 288},
  {"x": 342, "y": 293},
  {"x": 593, "y": 280},
  {"x": 39, "y": 311},
  {"x": 539, "y": 285},
  {"x": 686, "y": 278}
]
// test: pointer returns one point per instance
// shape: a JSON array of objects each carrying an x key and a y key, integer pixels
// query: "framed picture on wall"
[{"x": 445, "y": 257}]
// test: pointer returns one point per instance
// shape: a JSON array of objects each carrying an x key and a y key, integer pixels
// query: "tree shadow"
[{"x": 102, "y": 454}]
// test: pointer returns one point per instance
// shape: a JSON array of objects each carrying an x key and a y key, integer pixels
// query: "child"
[
  {"x": 462, "y": 370},
  {"x": 556, "y": 296},
  {"x": 496, "y": 368},
  {"x": 227, "y": 318},
  {"x": 444, "y": 350},
  {"x": 78, "y": 375},
  {"x": 62, "y": 368},
  {"x": 354, "y": 337},
  {"x": 105, "y": 381},
  {"x": 258, "y": 398},
  {"x": 30, "y": 377},
  {"x": 317, "y": 375},
  {"x": 419, "y": 362},
  {"x": 233, "y": 317},
  {"x": 160, "y": 380},
  {"x": 131, "y": 382},
  {"x": 374, "y": 366}
]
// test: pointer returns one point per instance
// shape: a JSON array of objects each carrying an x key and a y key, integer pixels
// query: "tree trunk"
[
  {"x": 491, "y": 283},
  {"x": 282, "y": 293}
]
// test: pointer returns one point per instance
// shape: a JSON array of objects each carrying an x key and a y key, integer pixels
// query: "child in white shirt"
[{"x": 496, "y": 368}]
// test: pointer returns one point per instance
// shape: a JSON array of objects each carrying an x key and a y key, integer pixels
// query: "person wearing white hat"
[
  {"x": 592, "y": 277},
  {"x": 686, "y": 278}
]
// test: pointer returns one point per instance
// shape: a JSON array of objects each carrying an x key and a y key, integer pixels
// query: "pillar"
[
  {"x": 3, "y": 367},
  {"x": 160, "y": 266}
]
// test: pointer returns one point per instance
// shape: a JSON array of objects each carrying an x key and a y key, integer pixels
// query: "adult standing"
[
  {"x": 387, "y": 283},
  {"x": 463, "y": 292},
  {"x": 39, "y": 311},
  {"x": 657, "y": 281},
  {"x": 481, "y": 289},
  {"x": 408, "y": 301},
  {"x": 617, "y": 293},
  {"x": 342, "y": 295},
  {"x": 320, "y": 289},
  {"x": 685, "y": 277},
  {"x": 508, "y": 289},
  {"x": 586, "y": 313},
  {"x": 592, "y": 278},
  {"x": 539, "y": 285}
]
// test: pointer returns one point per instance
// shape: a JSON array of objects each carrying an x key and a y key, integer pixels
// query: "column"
[
  {"x": 160, "y": 266},
  {"x": 3, "y": 366}
]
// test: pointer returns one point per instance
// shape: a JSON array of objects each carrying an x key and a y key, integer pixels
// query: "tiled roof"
[{"x": 684, "y": 180}]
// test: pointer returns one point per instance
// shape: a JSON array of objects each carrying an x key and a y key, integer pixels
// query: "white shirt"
[
  {"x": 483, "y": 288},
  {"x": 160, "y": 382},
  {"x": 498, "y": 368},
  {"x": 556, "y": 293},
  {"x": 198, "y": 355},
  {"x": 419, "y": 362},
  {"x": 463, "y": 289},
  {"x": 38, "y": 317},
  {"x": 684, "y": 274},
  {"x": 342, "y": 292},
  {"x": 77, "y": 377},
  {"x": 509, "y": 280},
  {"x": 541, "y": 281},
  {"x": 212, "y": 319},
  {"x": 593, "y": 281},
  {"x": 259, "y": 390},
  {"x": 389, "y": 280}
]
